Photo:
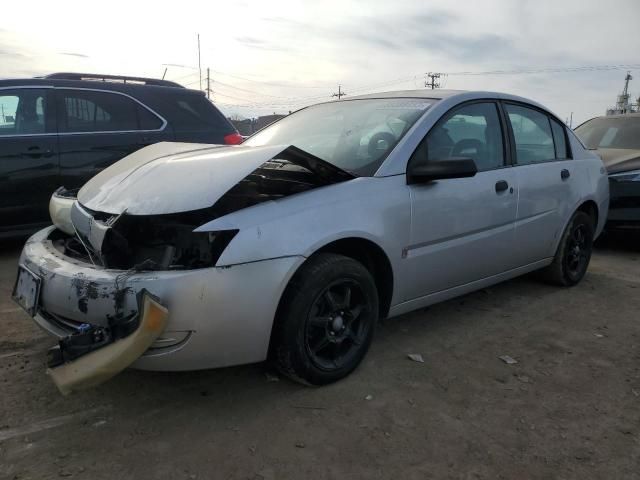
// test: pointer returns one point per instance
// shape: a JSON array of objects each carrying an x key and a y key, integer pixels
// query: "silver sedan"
[{"x": 294, "y": 244}]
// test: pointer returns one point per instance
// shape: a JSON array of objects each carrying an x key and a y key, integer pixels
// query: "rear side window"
[
  {"x": 22, "y": 112},
  {"x": 148, "y": 120},
  {"x": 559, "y": 140},
  {"x": 195, "y": 112},
  {"x": 532, "y": 134},
  {"x": 91, "y": 111}
]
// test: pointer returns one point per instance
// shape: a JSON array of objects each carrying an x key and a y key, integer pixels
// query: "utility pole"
[
  {"x": 208, "y": 85},
  {"x": 435, "y": 80},
  {"x": 340, "y": 93},
  {"x": 571, "y": 121},
  {"x": 165, "y": 72},
  {"x": 199, "y": 67}
]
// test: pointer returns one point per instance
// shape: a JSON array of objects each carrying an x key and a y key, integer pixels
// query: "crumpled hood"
[
  {"x": 619, "y": 159},
  {"x": 180, "y": 177}
]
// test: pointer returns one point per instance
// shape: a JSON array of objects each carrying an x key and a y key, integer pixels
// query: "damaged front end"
[
  {"x": 117, "y": 247},
  {"x": 167, "y": 241},
  {"x": 94, "y": 355}
]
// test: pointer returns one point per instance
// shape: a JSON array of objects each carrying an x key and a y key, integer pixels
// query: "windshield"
[
  {"x": 612, "y": 132},
  {"x": 355, "y": 135}
]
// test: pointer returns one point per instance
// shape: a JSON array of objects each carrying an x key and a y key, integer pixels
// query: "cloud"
[{"x": 71, "y": 54}]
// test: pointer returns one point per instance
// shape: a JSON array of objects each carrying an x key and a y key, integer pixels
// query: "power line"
[{"x": 585, "y": 68}]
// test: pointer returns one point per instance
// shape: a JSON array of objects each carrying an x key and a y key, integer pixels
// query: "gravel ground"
[{"x": 570, "y": 407}]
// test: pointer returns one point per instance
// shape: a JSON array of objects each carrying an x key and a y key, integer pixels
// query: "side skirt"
[{"x": 443, "y": 295}]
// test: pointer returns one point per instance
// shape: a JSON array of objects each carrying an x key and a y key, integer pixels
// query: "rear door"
[
  {"x": 547, "y": 177},
  {"x": 462, "y": 229},
  {"x": 97, "y": 128},
  {"x": 28, "y": 156}
]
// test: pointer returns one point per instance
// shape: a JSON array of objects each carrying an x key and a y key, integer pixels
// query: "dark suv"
[{"x": 62, "y": 129}]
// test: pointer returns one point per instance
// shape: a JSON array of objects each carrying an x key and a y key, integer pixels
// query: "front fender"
[{"x": 377, "y": 209}]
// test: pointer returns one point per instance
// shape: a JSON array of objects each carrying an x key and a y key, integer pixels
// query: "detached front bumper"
[
  {"x": 624, "y": 206},
  {"x": 217, "y": 316}
]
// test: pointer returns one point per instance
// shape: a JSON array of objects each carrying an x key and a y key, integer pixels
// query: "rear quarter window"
[
  {"x": 195, "y": 112},
  {"x": 560, "y": 140}
]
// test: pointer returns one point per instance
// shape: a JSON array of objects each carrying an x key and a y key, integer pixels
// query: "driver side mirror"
[{"x": 423, "y": 171}]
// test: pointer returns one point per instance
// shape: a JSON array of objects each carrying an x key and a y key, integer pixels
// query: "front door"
[
  {"x": 28, "y": 157},
  {"x": 462, "y": 229}
]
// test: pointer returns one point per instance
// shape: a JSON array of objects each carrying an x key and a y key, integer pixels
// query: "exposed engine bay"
[{"x": 168, "y": 241}]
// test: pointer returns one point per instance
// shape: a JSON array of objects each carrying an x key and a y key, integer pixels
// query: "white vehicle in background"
[{"x": 294, "y": 244}]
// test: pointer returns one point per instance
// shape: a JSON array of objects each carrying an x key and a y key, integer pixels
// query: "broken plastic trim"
[
  {"x": 100, "y": 365},
  {"x": 60, "y": 206}
]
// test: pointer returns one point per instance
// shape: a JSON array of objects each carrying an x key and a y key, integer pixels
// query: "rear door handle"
[
  {"x": 564, "y": 174},
  {"x": 37, "y": 152},
  {"x": 501, "y": 186}
]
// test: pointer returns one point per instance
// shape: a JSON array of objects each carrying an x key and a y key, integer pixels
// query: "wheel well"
[
  {"x": 590, "y": 208},
  {"x": 374, "y": 259}
]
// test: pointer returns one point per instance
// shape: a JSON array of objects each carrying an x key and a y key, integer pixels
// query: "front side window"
[
  {"x": 611, "y": 132},
  {"x": 532, "y": 134},
  {"x": 472, "y": 131},
  {"x": 355, "y": 135},
  {"x": 91, "y": 111},
  {"x": 22, "y": 112}
]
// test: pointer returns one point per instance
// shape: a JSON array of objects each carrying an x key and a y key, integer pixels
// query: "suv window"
[
  {"x": 91, "y": 111},
  {"x": 22, "y": 112},
  {"x": 194, "y": 112},
  {"x": 532, "y": 134},
  {"x": 472, "y": 131}
]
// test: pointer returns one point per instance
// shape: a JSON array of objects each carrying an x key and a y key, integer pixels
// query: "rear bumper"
[
  {"x": 624, "y": 205},
  {"x": 217, "y": 316}
]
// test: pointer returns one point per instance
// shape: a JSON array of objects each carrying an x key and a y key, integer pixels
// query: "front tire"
[
  {"x": 574, "y": 252},
  {"x": 326, "y": 320}
]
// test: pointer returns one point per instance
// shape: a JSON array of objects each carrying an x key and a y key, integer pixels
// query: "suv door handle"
[
  {"x": 501, "y": 186},
  {"x": 564, "y": 174}
]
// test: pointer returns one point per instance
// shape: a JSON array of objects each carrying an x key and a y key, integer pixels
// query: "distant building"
[{"x": 249, "y": 126}]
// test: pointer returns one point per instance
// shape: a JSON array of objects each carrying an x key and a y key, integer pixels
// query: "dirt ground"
[{"x": 570, "y": 407}]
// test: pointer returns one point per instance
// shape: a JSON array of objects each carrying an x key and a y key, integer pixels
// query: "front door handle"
[
  {"x": 564, "y": 174},
  {"x": 501, "y": 186}
]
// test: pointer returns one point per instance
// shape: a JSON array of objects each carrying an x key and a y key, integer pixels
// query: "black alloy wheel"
[{"x": 326, "y": 320}]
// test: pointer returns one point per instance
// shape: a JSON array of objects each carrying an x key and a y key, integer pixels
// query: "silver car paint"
[
  {"x": 172, "y": 177},
  {"x": 411, "y": 224}
]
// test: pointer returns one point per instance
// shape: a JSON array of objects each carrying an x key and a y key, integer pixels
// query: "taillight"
[{"x": 233, "y": 139}]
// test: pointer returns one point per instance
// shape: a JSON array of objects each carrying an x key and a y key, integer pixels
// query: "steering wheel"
[{"x": 380, "y": 144}]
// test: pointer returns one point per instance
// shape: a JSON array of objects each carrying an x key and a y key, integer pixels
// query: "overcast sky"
[{"x": 273, "y": 56}]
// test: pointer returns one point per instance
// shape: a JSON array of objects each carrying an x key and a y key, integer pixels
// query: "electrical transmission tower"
[
  {"x": 434, "y": 80},
  {"x": 340, "y": 93}
]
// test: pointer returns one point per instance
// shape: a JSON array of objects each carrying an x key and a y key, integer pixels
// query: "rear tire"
[
  {"x": 574, "y": 252},
  {"x": 326, "y": 320}
]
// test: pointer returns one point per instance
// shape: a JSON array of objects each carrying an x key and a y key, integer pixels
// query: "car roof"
[
  {"x": 424, "y": 93},
  {"x": 460, "y": 95},
  {"x": 117, "y": 86}
]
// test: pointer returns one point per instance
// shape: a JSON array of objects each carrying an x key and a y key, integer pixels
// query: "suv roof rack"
[{"x": 113, "y": 78}]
